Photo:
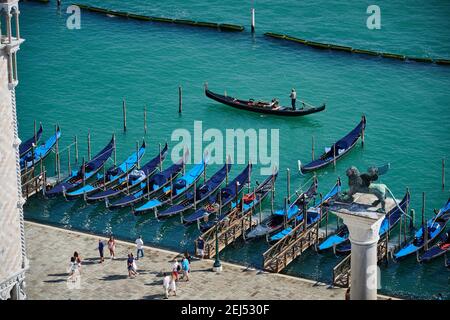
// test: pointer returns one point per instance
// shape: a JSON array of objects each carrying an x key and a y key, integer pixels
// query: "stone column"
[
  {"x": 364, "y": 235},
  {"x": 16, "y": 18}
]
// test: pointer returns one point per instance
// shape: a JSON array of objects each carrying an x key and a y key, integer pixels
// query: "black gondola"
[
  {"x": 439, "y": 249},
  {"x": 263, "y": 107},
  {"x": 26, "y": 146},
  {"x": 337, "y": 150}
]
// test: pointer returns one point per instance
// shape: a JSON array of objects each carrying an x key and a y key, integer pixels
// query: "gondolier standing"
[{"x": 293, "y": 97}]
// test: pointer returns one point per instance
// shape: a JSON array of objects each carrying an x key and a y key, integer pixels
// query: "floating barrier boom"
[
  {"x": 326, "y": 46},
  {"x": 185, "y": 22}
]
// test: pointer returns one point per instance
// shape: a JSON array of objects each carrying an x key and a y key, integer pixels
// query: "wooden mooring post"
[
  {"x": 115, "y": 149},
  {"x": 288, "y": 177},
  {"x": 89, "y": 145},
  {"x": 312, "y": 148},
  {"x": 57, "y": 160},
  {"x": 253, "y": 20},
  {"x": 425, "y": 227},
  {"x": 124, "y": 113},
  {"x": 76, "y": 149},
  {"x": 145, "y": 119},
  {"x": 180, "y": 99},
  {"x": 443, "y": 174}
]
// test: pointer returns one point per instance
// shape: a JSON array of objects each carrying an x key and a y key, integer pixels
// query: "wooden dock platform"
[
  {"x": 32, "y": 185},
  {"x": 286, "y": 250},
  {"x": 234, "y": 226}
]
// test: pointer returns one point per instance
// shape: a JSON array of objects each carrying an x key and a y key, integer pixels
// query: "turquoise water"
[{"x": 78, "y": 78}]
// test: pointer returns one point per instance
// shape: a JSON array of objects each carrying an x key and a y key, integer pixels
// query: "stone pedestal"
[{"x": 363, "y": 222}]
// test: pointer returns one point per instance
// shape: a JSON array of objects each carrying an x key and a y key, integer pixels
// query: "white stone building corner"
[{"x": 13, "y": 260}]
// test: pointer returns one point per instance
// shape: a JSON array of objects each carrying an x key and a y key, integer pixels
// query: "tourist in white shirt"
[
  {"x": 166, "y": 284},
  {"x": 139, "y": 247}
]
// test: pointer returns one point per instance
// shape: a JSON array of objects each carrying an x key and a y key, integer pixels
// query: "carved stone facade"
[{"x": 13, "y": 261}]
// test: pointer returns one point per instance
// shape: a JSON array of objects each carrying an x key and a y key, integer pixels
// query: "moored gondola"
[
  {"x": 439, "y": 249},
  {"x": 149, "y": 188},
  {"x": 227, "y": 194},
  {"x": 337, "y": 150},
  {"x": 264, "y": 107},
  {"x": 247, "y": 203},
  {"x": 280, "y": 218},
  {"x": 86, "y": 171},
  {"x": 434, "y": 227},
  {"x": 313, "y": 214},
  {"x": 202, "y": 193},
  {"x": 26, "y": 146},
  {"x": 131, "y": 180},
  {"x": 110, "y": 177},
  {"x": 35, "y": 155},
  {"x": 176, "y": 191}
]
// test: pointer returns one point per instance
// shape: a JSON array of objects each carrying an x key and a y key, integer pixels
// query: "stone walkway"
[{"x": 49, "y": 250}]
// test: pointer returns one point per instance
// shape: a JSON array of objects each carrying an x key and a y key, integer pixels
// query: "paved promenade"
[{"x": 49, "y": 250}]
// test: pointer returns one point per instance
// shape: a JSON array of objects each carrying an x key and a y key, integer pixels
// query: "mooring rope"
[{"x": 396, "y": 203}]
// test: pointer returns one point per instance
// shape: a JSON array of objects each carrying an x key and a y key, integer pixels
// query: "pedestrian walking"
[
  {"x": 77, "y": 259},
  {"x": 73, "y": 270},
  {"x": 175, "y": 269},
  {"x": 100, "y": 247},
  {"x": 200, "y": 247},
  {"x": 134, "y": 264},
  {"x": 139, "y": 247},
  {"x": 293, "y": 97},
  {"x": 166, "y": 284},
  {"x": 130, "y": 260},
  {"x": 173, "y": 285},
  {"x": 112, "y": 247},
  {"x": 185, "y": 267}
]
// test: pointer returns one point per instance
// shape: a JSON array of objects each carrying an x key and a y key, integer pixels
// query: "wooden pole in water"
[
  {"x": 104, "y": 178},
  {"x": 260, "y": 210},
  {"x": 425, "y": 227},
  {"x": 124, "y": 112},
  {"x": 89, "y": 145},
  {"x": 44, "y": 179},
  {"x": 400, "y": 233},
  {"x": 312, "y": 148},
  {"x": 443, "y": 174},
  {"x": 362, "y": 137},
  {"x": 288, "y": 173},
  {"x": 83, "y": 172},
  {"x": 115, "y": 149},
  {"x": 57, "y": 153},
  {"x": 35, "y": 133},
  {"x": 171, "y": 190},
  {"x": 237, "y": 194},
  {"x": 334, "y": 154},
  {"x": 285, "y": 214},
  {"x": 76, "y": 150},
  {"x": 148, "y": 184},
  {"x": 68, "y": 160},
  {"x": 195, "y": 195},
  {"x": 160, "y": 158},
  {"x": 226, "y": 173},
  {"x": 204, "y": 172},
  {"x": 272, "y": 198},
  {"x": 145, "y": 119},
  {"x": 180, "y": 99},
  {"x": 253, "y": 20},
  {"x": 137, "y": 155}
]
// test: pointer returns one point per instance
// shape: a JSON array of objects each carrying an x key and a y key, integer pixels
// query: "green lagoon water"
[{"x": 77, "y": 78}]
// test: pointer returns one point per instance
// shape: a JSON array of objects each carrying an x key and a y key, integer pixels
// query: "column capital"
[{"x": 363, "y": 230}]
